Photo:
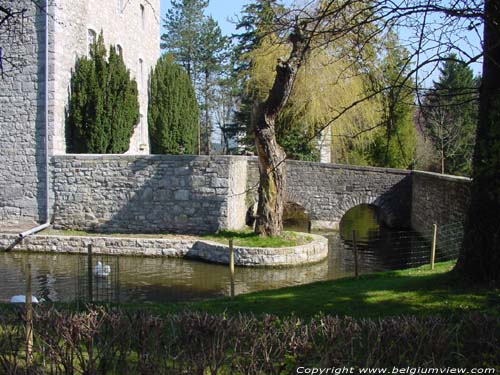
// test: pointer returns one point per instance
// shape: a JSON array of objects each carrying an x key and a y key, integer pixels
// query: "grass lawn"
[
  {"x": 241, "y": 238},
  {"x": 250, "y": 239},
  {"x": 416, "y": 291}
]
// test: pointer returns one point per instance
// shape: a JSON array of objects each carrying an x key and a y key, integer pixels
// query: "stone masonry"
[
  {"x": 438, "y": 199},
  {"x": 22, "y": 116},
  {"x": 161, "y": 193},
  {"x": 312, "y": 252},
  {"x": 328, "y": 191},
  {"x": 134, "y": 25},
  {"x": 194, "y": 194}
]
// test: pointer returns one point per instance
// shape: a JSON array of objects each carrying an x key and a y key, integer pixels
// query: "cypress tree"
[
  {"x": 103, "y": 107},
  {"x": 173, "y": 110}
]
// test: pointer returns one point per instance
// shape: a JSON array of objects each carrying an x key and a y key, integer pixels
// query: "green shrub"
[
  {"x": 173, "y": 110},
  {"x": 103, "y": 107}
]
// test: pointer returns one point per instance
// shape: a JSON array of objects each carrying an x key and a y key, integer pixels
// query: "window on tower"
[{"x": 91, "y": 39}]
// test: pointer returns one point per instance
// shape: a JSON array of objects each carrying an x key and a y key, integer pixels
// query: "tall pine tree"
[
  {"x": 103, "y": 107},
  {"x": 184, "y": 25},
  {"x": 173, "y": 110},
  {"x": 213, "y": 55}
]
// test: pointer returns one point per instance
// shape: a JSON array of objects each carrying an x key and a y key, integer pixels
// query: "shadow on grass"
[{"x": 416, "y": 292}]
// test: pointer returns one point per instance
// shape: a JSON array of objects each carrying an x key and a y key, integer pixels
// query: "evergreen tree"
[
  {"x": 103, "y": 108},
  {"x": 212, "y": 60},
  {"x": 173, "y": 110},
  {"x": 449, "y": 116},
  {"x": 184, "y": 25},
  {"x": 394, "y": 145},
  {"x": 197, "y": 44}
]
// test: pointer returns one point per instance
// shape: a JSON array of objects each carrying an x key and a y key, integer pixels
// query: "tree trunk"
[
  {"x": 480, "y": 256},
  {"x": 208, "y": 130},
  {"x": 269, "y": 221}
]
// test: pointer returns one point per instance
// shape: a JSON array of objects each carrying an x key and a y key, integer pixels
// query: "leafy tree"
[
  {"x": 103, "y": 108},
  {"x": 321, "y": 90},
  {"x": 173, "y": 110},
  {"x": 449, "y": 115},
  {"x": 395, "y": 142}
]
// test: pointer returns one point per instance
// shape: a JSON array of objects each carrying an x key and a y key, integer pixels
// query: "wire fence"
[
  {"x": 97, "y": 278},
  {"x": 403, "y": 249}
]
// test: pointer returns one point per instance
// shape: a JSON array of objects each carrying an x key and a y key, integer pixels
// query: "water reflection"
[
  {"x": 381, "y": 248},
  {"x": 61, "y": 277}
]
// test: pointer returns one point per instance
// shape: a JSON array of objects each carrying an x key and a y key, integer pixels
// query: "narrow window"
[
  {"x": 119, "y": 50},
  {"x": 140, "y": 73},
  {"x": 142, "y": 16},
  {"x": 91, "y": 39},
  {"x": 119, "y": 6}
]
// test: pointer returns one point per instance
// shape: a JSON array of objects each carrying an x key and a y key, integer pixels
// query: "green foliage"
[
  {"x": 449, "y": 115},
  {"x": 196, "y": 42},
  {"x": 394, "y": 145},
  {"x": 212, "y": 58},
  {"x": 298, "y": 142},
  {"x": 255, "y": 23},
  {"x": 103, "y": 108},
  {"x": 184, "y": 25},
  {"x": 173, "y": 110}
]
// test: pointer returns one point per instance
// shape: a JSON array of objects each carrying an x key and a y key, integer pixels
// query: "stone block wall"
[
  {"x": 22, "y": 115},
  {"x": 439, "y": 199},
  {"x": 328, "y": 191},
  {"x": 161, "y": 193}
]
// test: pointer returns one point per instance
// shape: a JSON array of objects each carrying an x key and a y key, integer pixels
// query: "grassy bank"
[
  {"x": 244, "y": 238},
  {"x": 416, "y": 291},
  {"x": 250, "y": 239}
]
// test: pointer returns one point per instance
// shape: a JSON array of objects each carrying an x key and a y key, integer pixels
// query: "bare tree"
[
  {"x": 438, "y": 28},
  {"x": 11, "y": 28}
]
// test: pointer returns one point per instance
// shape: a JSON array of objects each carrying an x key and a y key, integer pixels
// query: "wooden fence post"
[
  {"x": 89, "y": 273},
  {"x": 29, "y": 317},
  {"x": 231, "y": 265},
  {"x": 355, "y": 248},
  {"x": 433, "y": 247}
]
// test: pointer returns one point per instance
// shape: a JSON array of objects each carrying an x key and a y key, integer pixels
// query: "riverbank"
[
  {"x": 417, "y": 291},
  {"x": 290, "y": 250}
]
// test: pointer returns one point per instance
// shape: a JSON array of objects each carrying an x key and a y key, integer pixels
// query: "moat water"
[{"x": 61, "y": 277}]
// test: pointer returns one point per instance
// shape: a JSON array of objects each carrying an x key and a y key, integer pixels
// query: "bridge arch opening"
[{"x": 365, "y": 219}]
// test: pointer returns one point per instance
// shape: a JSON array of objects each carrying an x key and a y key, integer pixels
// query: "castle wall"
[
  {"x": 160, "y": 193},
  {"x": 123, "y": 23},
  {"x": 22, "y": 85},
  {"x": 22, "y": 116}
]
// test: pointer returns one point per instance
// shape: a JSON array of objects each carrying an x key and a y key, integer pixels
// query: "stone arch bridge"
[
  {"x": 328, "y": 191},
  {"x": 192, "y": 194}
]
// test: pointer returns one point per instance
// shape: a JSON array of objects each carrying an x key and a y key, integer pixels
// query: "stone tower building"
[{"x": 32, "y": 101}]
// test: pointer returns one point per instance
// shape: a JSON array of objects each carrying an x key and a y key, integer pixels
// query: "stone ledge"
[
  {"x": 312, "y": 252},
  {"x": 439, "y": 176}
]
